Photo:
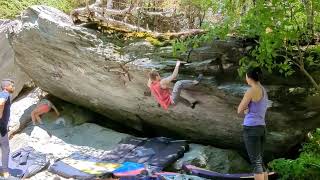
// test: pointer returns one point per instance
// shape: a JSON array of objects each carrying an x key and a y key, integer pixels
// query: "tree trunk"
[
  {"x": 310, "y": 15},
  {"x": 300, "y": 64},
  {"x": 314, "y": 83}
]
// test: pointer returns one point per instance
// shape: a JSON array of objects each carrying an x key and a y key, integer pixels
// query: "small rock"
[
  {"x": 310, "y": 114},
  {"x": 40, "y": 134},
  {"x": 215, "y": 159},
  {"x": 297, "y": 90}
]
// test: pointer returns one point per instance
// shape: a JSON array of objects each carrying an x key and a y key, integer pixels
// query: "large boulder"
[
  {"x": 93, "y": 70},
  {"x": 8, "y": 69}
]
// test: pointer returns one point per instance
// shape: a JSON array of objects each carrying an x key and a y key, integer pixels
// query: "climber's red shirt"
[{"x": 163, "y": 96}]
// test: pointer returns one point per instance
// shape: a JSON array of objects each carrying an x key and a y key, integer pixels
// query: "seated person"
[{"x": 44, "y": 106}]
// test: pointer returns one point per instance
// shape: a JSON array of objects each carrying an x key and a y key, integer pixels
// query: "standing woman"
[{"x": 254, "y": 106}]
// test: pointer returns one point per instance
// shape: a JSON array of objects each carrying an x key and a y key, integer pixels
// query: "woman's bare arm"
[{"x": 245, "y": 102}]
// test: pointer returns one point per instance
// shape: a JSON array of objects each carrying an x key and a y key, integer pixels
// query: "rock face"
[
  {"x": 89, "y": 69},
  {"x": 8, "y": 69}
]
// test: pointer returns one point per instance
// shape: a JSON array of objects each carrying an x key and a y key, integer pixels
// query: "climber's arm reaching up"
[{"x": 166, "y": 81}]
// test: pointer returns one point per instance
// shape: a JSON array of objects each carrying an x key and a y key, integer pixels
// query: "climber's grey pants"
[
  {"x": 178, "y": 86},
  {"x": 254, "y": 139},
  {"x": 5, "y": 149}
]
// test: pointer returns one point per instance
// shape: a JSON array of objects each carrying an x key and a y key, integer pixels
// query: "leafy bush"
[
  {"x": 11, "y": 8},
  {"x": 306, "y": 167}
]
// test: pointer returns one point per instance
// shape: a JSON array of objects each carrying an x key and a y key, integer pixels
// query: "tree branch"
[
  {"x": 98, "y": 12},
  {"x": 314, "y": 83}
]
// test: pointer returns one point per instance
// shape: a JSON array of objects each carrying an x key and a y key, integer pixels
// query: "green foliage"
[
  {"x": 314, "y": 58},
  {"x": 306, "y": 167},
  {"x": 284, "y": 34},
  {"x": 181, "y": 46},
  {"x": 284, "y": 29},
  {"x": 200, "y": 4},
  {"x": 278, "y": 25},
  {"x": 154, "y": 41},
  {"x": 228, "y": 9},
  {"x": 12, "y": 8},
  {"x": 281, "y": 26}
]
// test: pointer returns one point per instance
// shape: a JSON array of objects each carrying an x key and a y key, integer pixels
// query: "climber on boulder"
[{"x": 160, "y": 88}]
